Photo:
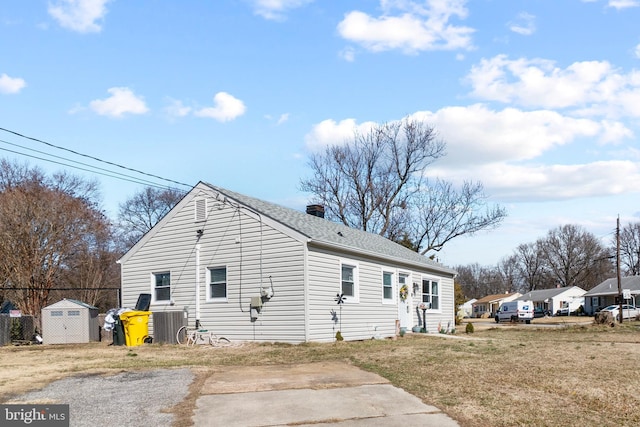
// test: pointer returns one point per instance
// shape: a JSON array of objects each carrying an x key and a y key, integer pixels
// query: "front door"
[{"x": 404, "y": 302}]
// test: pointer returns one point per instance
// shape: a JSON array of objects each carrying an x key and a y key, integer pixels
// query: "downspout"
[
  {"x": 198, "y": 285},
  {"x": 305, "y": 284}
]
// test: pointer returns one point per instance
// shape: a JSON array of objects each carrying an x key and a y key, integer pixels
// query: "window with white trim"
[
  {"x": 387, "y": 286},
  {"x": 217, "y": 283},
  {"x": 431, "y": 293},
  {"x": 162, "y": 286},
  {"x": 349, "y": 282}
]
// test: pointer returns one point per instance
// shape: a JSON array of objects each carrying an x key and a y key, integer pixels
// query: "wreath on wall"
[{"x": 404, "y": 293}]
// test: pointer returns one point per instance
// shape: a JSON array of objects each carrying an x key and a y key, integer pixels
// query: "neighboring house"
[
  {"x": 248, "y": 269},
  {"x": 606, "y": 293},
  {"x": 466, "y": 310},
  {"x": 553, "y": 299},
  {"x": 489, "y": 305}
]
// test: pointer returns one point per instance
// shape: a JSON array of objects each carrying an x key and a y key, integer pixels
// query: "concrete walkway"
[{"x": 309, "y": 395}]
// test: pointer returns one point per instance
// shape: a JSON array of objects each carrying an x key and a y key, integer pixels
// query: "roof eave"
[{"x": 358, "y": 251}]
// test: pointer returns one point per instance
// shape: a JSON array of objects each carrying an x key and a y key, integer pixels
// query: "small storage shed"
[{"x": 70, "y": 321}]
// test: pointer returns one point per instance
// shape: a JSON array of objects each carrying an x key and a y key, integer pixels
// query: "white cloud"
[
  {"x": 10, "y": 85},
  {"x": 524, "y": 24},
  {"x": 329, "y": 132},
  {"x": 283, "y": 118},
  {"x": 122, "y": 101},
  {"x": 636, "y": 51},
  {"x": 79, "y": 15},
  {"x": 348, "y": 54},
  {"x": 476, "y": 134},
  {"x": 177, "y": 109},
  {"x": 623, "y": 4},
  {"x": 415, "y": 26},
  {"x": 275, "y": 10},
  {"x": 503, "y": 149},
  {"x": 592, "y": 86},
  {"x": 226, "y": 107},
  {"x": 525, "y": 183}
]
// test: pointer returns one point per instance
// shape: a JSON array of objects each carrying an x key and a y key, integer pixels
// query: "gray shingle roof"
[
  {"x": 326, "y": 232},
  {"x": 610, "y": 286},
  {"x": 543, "y": 294}
]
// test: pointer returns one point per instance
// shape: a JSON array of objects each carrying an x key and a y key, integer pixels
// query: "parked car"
[
  {"x": 628, "y": 311},
  {"x": 540, "y": 312},
  {"x": 564, "y": 311},
  {"x": 571, "y": 308}
]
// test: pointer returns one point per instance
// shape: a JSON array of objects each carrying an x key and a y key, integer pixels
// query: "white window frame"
[
  {"x": 393, "y": 274},
  {"x": 154, "y": 299},
  {"x": 430, "y": 294},
  {"x": 226, "y": 284},
  {"x": 355, "y": 298}
]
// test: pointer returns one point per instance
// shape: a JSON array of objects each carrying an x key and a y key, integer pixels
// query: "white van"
[{"x": 515, "y": 311}]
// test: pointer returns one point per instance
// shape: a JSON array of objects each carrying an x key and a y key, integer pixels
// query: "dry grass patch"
[{"x": 582, "y": 375}]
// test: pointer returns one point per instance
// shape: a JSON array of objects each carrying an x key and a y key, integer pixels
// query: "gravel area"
[{"x": 131, "y": 398}]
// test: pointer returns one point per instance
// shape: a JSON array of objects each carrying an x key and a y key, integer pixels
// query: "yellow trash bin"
[{"x": 136, "y": 327}]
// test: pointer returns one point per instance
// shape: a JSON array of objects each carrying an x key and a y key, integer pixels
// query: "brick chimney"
[{"x": 316, "y": 210}]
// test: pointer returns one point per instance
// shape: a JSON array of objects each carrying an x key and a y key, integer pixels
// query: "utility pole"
[{"x": 618, "y": 268}]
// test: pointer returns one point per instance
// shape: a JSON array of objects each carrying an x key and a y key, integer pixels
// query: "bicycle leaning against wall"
[{"x": 192, "y": 336}]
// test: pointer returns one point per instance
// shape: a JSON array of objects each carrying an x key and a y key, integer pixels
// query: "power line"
[
  {"x": 90, "y": 157},
  {"x": 117, "y": 175}
]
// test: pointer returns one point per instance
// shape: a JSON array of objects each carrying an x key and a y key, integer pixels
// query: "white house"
[
  {"x": 553, "y": 299},
  {"x": 466, "y": 310},
  {"x": 253, "y": 270}
]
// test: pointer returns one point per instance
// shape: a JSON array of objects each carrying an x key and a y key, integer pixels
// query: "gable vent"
[{"x": 201, "y": 209}]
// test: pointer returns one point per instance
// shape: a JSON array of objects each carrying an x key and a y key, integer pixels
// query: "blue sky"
[{"x": 539, "y": 100}]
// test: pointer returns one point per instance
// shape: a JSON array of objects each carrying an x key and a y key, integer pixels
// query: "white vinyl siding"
[
  {"x": 254, "y": 256},
  {"x": 258, "y": 252}
]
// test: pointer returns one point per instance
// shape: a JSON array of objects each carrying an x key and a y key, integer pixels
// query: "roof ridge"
[{"x": 321, "y": 230}]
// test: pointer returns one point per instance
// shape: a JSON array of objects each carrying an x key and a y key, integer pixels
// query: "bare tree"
[
  {"x": 43, "y": 224},
  {"x": 630, "y": 249},
  {"x": 508, "y": 270},
  {"x": 575, "y": 257},
  {"x": 143, "y": 210},
  {"x": 478, "y": 281},
  {"x": 93, "y": 275},
  {"x": 531, "y": 267},
  {"x": 375, "y": 183},
  {"x": 441, "y": 213}
]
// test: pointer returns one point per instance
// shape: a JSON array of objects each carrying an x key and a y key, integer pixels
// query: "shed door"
[
  {"x": 66, "y": 326},
  {"x": 73, "y": 324},
  {"x": 54, "y": 332}
]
